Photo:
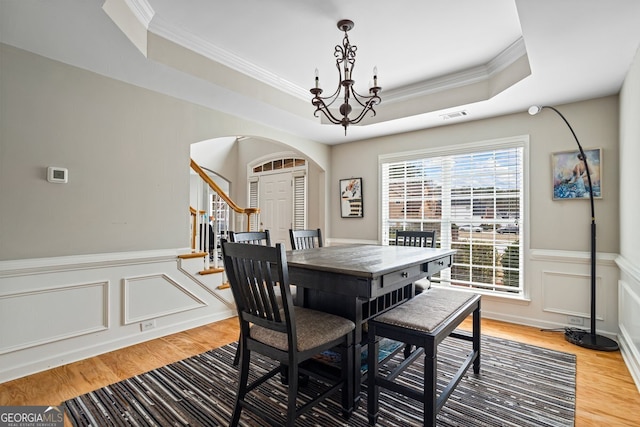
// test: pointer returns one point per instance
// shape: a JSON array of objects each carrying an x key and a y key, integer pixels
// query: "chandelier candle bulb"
[
  {"x": 375, "y": 76},
  {"x": 317, "y": 79}
]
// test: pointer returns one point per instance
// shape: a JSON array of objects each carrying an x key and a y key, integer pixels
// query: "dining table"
[{"x": 360, "y": 281}]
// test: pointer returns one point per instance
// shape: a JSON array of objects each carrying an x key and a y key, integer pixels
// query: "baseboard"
[
  {"x": 536, "y": 323},
  {"x": 53, "y": 361}
]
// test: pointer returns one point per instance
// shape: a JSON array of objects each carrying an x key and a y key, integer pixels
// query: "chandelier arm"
[
  {"x": 364, "y": 99},
  {"x": 327, "y": 113},
  {"x": 368, "y": 107},
  {"x": 331, "y": 98}
]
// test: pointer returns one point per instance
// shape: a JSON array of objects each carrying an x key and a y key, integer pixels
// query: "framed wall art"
[
  {"x": 570, "y": 181},
  {"x": 351, "y": 198}
]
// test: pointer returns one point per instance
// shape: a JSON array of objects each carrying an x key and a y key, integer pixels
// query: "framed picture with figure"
[
  {"x": 570, "y": 180},
  {"x": 351, "y": 198}
]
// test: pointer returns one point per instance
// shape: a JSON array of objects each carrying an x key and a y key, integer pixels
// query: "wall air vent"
[{"x": 454, "y": 115}]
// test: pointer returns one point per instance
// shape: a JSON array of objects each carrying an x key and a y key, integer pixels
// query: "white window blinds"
[
  {"x": 473, "y": 198},
  {"x": 253, "y": 203},
  {"x": 299, "y": 202}
]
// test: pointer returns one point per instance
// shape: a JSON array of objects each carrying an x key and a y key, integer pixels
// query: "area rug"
[{"x": 518, "y": 385}]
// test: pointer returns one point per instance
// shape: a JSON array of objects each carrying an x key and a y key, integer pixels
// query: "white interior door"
[{"x": 275, "y": 199}]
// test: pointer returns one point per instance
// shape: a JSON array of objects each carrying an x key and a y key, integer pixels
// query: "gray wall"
[
  {"x": 127, "y": 151},
  {"x": 562, "y": 225}
]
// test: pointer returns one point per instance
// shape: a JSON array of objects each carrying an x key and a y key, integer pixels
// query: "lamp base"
[{"x": 591, "y": 341}]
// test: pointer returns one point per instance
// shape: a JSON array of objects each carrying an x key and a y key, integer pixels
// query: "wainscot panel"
[{"x": 60, "y": 310}]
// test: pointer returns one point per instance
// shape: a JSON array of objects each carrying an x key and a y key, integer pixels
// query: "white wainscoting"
[
  {"x": 28, "y": 314},
  {"x": 570, "y": 294},
  {"x": 169, "y": 297},
  {"x": 629, "y": 313},
  {"x": 56, "y": 311},
  {"x": 558, "y": 285}
]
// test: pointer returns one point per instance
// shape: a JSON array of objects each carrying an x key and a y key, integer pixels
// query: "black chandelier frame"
[{"x": 345, "y": 55}]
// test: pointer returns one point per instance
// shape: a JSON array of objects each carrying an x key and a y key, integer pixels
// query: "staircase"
[{"x": 220, "y": 215}]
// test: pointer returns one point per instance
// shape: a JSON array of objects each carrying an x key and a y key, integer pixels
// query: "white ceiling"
[{"x": 488, "y": 58}]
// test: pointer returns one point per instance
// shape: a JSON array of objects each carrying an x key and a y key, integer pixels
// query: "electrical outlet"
[
  {"x": 147, "y": 324},
  {"x": 575, "y": 320}
]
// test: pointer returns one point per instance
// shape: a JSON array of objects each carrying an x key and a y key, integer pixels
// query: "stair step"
[
  {"x": 193, "y": 255},
  {"x": 211, "y": 271},
  {"x": 225, "y": 285}
]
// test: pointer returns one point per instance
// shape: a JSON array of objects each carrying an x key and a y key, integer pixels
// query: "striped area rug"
[{"x": 519, "y": 385}]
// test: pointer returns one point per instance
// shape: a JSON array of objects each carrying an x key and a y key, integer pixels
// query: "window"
[
  {"x": 253, "y": 203},
  {"x": 473, "y": 196},
  {"x": 299, "y": 200}
]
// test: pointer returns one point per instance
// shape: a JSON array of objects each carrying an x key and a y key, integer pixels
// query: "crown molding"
[
  {"x": 480, "y": 73},
  {"x": 197, "y": 44},
  {"x": 142, "y": 11},
  {"x": 193, "y": 42}
]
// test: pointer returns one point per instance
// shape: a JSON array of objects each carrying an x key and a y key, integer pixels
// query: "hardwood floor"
[{"x": 605, "y": 392}]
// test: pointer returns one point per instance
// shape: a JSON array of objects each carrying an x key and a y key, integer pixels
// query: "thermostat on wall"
[{"x": 57, "y": 175}]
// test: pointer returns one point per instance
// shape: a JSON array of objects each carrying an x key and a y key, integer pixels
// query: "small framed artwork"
[
  {"x": 351, "y": 198},
  {"x": 570, "y": 181}
]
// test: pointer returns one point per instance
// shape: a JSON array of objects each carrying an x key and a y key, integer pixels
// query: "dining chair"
[
  {"x": 287, "y": 334},
  {"x": 424, "y": 239},
  {"x": 304, "y": 239},
  {"x": 254, "y": 238}
]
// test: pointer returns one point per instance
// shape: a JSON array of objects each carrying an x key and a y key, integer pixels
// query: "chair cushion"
[
  {"x": 313, "y": 328},
  {"x": 422, "y": 285}
]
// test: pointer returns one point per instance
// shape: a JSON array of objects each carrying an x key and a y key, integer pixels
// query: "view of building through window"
[{"x": 474, "y": 201}]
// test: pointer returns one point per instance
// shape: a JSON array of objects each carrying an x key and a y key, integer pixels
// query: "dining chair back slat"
[
  {"x": 255, "y": 270},
  {"x": 252, "y": 237},
  {"x": 305, "y": 239}
]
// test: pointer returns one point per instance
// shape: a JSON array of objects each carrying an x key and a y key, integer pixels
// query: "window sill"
[{"x": 516, "y": 299}]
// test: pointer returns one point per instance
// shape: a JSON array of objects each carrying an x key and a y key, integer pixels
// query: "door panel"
[{"x": 276, "y": 206}]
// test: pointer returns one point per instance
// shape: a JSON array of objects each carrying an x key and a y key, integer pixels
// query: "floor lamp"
[{"x": 588, "y": 339}]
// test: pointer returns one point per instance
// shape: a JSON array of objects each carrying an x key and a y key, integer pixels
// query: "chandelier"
[{"x": 345, "y": 62}]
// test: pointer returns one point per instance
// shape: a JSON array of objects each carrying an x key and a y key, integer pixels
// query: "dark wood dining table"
[{"x": 360, "y": 281}]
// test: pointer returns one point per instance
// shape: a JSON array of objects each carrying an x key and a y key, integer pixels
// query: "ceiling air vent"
[{"x": 454, "y": 115}]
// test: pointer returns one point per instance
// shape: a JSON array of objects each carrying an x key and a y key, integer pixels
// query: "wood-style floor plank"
[{"x": 605, "y": 392}]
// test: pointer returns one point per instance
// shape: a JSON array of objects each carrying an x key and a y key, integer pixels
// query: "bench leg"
[
  {"x": 430, "y": 383},
  {"x": 476, "y": 339}
]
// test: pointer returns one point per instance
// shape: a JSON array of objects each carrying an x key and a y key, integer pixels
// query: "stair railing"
[{"x": 217, "y": 215}]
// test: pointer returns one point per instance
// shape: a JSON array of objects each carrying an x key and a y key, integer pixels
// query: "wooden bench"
[{"x": 423, "y": 321}]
